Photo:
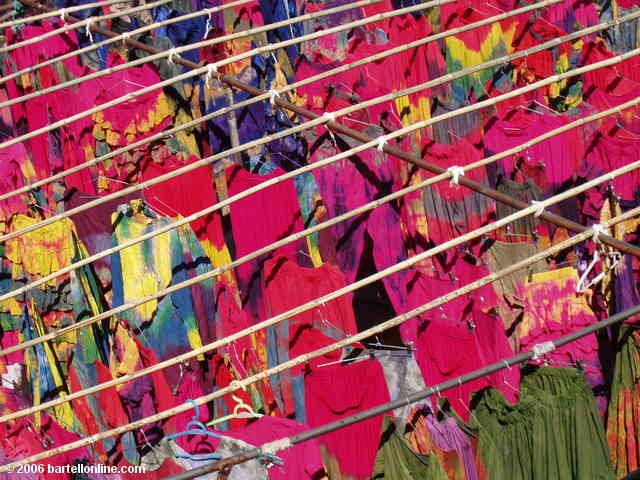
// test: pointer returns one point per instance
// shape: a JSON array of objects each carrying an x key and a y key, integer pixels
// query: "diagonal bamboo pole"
[{"x": 83, "y": 23}]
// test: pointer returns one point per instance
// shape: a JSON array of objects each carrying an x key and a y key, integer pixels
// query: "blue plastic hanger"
[{"x": 195, "y": 427}]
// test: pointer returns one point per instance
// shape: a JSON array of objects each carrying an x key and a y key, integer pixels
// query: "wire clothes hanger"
[
  {"x": 195, "y": 427},
  {"x": 241, "y": 410}
]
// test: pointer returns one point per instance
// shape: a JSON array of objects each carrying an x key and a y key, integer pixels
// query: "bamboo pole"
[
  {"x": 123, "y": 37},
  {"x": 398, "y": 320},
  {"x": 337, "y": 293},
  {"x": 54, "y": 13},
  {"x": 625, "y": 247},
  {"x": 322, "y": 76},
  {"x": 175, "y": 52},
  {"x": 297, "y": 236},
  {"x": 83, "y": 23},
  {"x": 622, "y": 246}
]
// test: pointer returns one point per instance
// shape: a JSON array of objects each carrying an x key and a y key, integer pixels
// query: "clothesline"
[
  {"x": 402, "y": 155},
  {"x": 54, "y": 13},
  {"x": 317, "y": 228},
  {"x": 327, "y": 74},
  {"x": 347, "y": 289},
  {"x": 442, "y": 175},
  {"x": 122, "y": 37},
  {"x": 405, "y": 400},
  {"x": 238, "y": 384},
  {"x": 262, "y": 186},
  {"x": 83, "y": 23},
  {"x": 175, "y": 52}
]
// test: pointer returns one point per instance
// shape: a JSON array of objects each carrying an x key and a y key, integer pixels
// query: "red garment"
[
  {"x": 483, "y": 342},
  {"x": 301, "y": 462},
  {"x": 289, "y": 285},
  {"x": 337, "y": 391},
  {"x": 611, "y": 78},
  {"x": 247, "y": 355},
  {"x": 185, "y": 195},
  {"x": 259, "y": 220},
  {"x": 541, "y": 64},
  {"x": 107, "y": 403}
]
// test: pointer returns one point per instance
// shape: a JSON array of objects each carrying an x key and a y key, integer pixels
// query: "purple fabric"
[
  {"x": 626, "y": 293},
  {"x": 447, "y": 436}
]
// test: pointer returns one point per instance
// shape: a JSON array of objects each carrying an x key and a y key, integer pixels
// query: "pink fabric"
[
  {"x": 337, "y": 391},
  {"x": 553, "y": 309},
  {"x": 301, "y": 462},
  {"x": 483, "y": 343},
  {"x": 609, "y": 152},
  {"x": 558, "y": 158},
  {"x": 460, "y": 325},
  {"x": 45, "y": 109}
]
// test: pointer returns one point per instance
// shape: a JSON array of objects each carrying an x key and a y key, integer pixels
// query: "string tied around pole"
[
  {"x": 212, "y": 69},
  {"x": 273, "y": 94},
  {"x": 540, "y": 349},
  {"x": 456, "y": 172},
  {"x": 330, "y": 116},
  {"x": 63, "y": 15},
  {"x": 172, "y": 54},
  {"x": 539, "y": 207},
  {"x": 597, "y": 229},
  {"x": 125, "y": 36},
  {"x": 276, "y": 446},
  {"x": 382, "y": 141}
]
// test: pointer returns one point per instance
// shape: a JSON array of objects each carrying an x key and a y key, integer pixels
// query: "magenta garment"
[
  {"x": 190, "y": 387},
  {"x": 14, "y": 174},
  {"x": 609, "y": 152},
  {"x": 337, "y": 391},
  {"x": 51, "y": 152},
  {"x": 459, "y": 325},
  {"x": 482, "y": 344},
  {"x": 557, "y": 158},
  {"x": 351, "y": 183},
  {"x": 301, "y": 462}
]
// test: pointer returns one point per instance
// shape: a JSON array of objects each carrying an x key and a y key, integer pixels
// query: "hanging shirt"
[{"x": 337, "y": 391}]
